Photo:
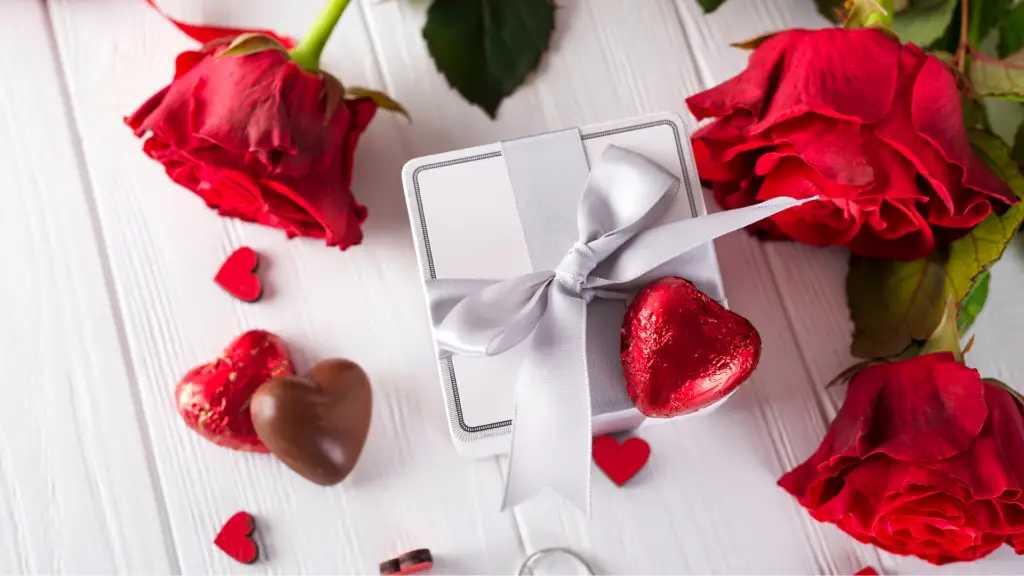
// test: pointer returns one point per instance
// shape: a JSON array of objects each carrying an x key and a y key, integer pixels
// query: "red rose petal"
[
  {"x": 955, "y": 411},
  {"x": 897, "y": 129},
  {"x": 1017, "y": 541},
  {"x": 822, "y": 223},
  {"x": 994, "y": 467},
  {"x": 894, "y": 231},
  {"x": 723, "y": 151},
  {"x": 936, "y": 99},
  {"x": 748, "y": 89},
  {"x": 819, "y": 77},
  {"x": 834, "y": 148}
]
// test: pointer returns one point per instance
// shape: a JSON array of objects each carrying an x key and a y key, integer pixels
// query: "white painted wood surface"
[{"x": 107, "y": 301}]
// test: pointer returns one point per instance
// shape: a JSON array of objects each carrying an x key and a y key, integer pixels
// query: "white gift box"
[{"x": 466, "y": 224}]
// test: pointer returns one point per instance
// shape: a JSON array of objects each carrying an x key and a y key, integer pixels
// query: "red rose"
[
  {"x": 924, "y": 458},
  {"x": 872, "y": 127},
  {"x": 251, "y": 136}
]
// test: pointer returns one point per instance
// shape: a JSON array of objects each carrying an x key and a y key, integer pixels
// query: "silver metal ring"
[{"x": 546, "y": 551}]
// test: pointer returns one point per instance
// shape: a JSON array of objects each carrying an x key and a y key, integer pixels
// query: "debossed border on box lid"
[{"x": 447, "y": 367}]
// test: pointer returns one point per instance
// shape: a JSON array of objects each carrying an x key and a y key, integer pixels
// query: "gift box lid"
[{"x": 466, "y": 224}]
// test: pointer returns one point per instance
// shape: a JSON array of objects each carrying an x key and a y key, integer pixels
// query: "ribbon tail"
[
  {"x": 656, "y": 246},
  {"x": 551, "y": 435}
]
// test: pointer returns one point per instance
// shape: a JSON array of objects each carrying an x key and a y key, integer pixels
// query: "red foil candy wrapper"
[
  {"x": 213, "y": 399},
  {"x": 682, "y": 351}
]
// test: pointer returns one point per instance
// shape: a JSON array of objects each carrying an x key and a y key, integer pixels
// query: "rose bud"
[
  {"x": 872, "y": 127},
  {"x": 924, "y": 458},
  {"x": 262, "y": 135}
]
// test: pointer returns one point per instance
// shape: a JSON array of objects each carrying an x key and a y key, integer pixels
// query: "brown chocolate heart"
[{"x": 317, "y": 423}]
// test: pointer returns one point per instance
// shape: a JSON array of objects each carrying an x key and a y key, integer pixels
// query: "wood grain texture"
[
  {"x": 410, "y": 489},
  {"x": 120, "y": 485},
  {"x": 76, "y": 491}
]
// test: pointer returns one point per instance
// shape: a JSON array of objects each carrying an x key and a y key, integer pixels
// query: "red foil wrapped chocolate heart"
[
  {"x": 213, "y": 399},
  {"x": 682, "y": 351}
]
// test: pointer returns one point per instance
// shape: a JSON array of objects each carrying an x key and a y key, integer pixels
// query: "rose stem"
[
  {"x": 307, "y": 53},
  {"x": 961, "y": 49}
]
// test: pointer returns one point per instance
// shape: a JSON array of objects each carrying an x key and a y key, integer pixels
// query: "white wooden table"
[{"x": 106, "y": 299}]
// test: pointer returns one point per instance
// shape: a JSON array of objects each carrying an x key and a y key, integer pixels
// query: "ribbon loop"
[
  {"x": 624, "y": 195},
  {"x": 494, "y": 319}
]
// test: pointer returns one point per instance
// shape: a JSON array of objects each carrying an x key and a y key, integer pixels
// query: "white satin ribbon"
[{"x": 624, "y": 195}]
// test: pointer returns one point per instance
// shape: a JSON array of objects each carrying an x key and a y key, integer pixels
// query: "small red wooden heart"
[
  {"x": 237, "y": 275},
  {"x": 235, "y": 538},
  {"x": 620, "y": 461}
]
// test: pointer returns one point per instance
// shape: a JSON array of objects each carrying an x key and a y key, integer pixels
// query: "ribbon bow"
[{"x": 551, "y": 438}]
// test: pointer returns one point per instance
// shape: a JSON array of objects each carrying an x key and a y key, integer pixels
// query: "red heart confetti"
[
  {"x": 235, "y": 538},
  {"x": 620, "y": 461},
  {"x": 237, "y": 275}
]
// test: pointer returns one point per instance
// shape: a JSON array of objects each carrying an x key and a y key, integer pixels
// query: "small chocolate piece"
[
  {"x": 408, "y": 563},
  {"x": 316, "y": 423}
]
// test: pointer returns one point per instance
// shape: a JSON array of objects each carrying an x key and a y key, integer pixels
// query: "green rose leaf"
[
  {"x": 1018, "y": 146},
  {"x": 710, "y": 5},
  {"x": 251, "y": 43},
  {"x": 894, "y": 303},
  {"x": 950, "y": 39},
  {"x": 924, "y": 22},
  {"x": 998, "y": 78},
  {"x": 486, "y": 48},
  {"x": 985, "y": 14},
  {"x": 1011, "y": 34},
  {"x": 973, "y": 303}
]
